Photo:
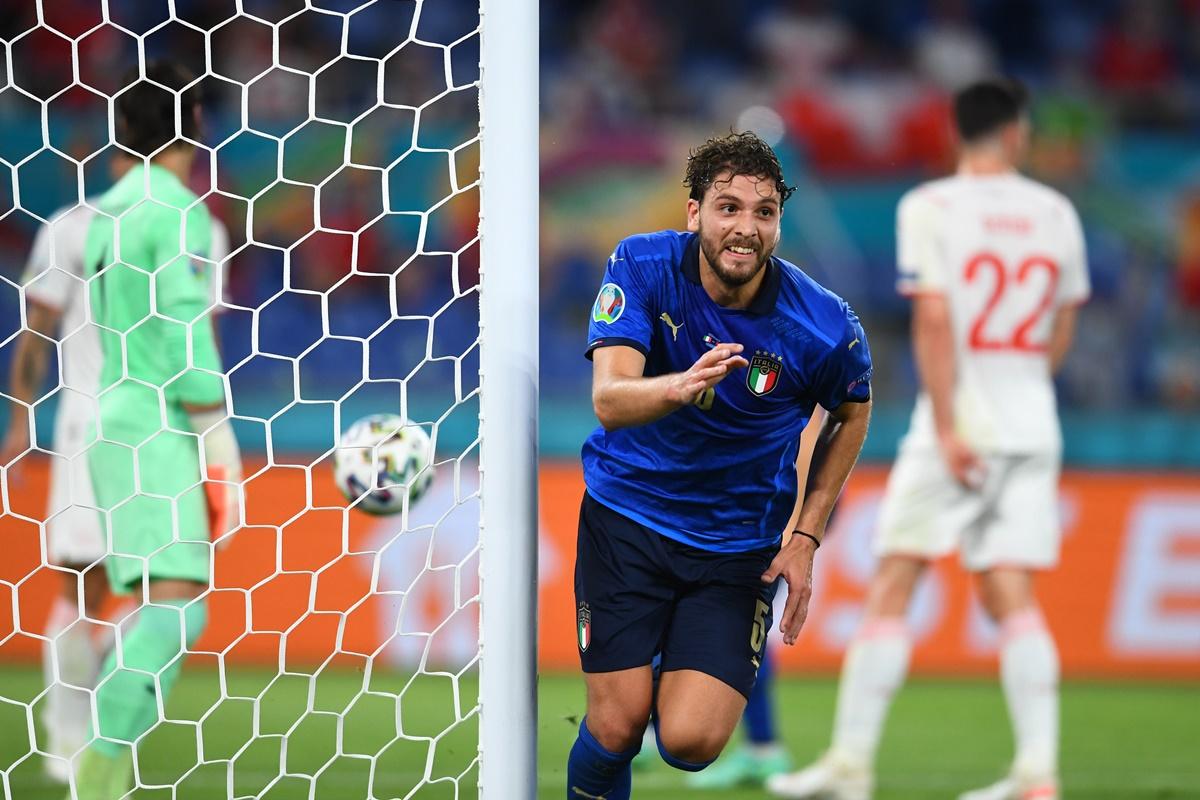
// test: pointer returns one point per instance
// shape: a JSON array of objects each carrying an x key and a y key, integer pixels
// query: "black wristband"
[{"x": 816, "y": 541}]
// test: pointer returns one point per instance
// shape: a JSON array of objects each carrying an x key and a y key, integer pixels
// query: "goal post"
[{"x": 508, "y": 400}]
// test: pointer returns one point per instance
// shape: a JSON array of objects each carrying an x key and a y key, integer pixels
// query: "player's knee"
[
  {"x": 615, "y": 730},
  {"x": 1004, "y": 592},
  {"x": 893, "y": 586},
  {"x": 689, "y": 747}
]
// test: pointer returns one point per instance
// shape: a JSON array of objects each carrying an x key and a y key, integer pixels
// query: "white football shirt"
[
  {"x": 1007, "y": 252},
  {"x": 54, "y": 277}
]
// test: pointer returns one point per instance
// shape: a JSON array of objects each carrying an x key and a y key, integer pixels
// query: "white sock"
[
  {"x": 1029, "y": 674},
  {"x": 875, "y": 667},
  {"x": 68, "y": 657}
]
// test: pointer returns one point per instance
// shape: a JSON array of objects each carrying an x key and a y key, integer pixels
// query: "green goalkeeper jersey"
[{"x": 146, "y": 258}]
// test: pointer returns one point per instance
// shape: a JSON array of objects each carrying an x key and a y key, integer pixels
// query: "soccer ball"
[{"x": 380, "y": 459}]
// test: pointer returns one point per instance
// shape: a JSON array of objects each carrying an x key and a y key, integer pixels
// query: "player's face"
[{"x": 738, "y": 223}]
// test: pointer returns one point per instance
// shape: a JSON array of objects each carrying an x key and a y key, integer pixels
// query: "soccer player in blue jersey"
[{"x": 709, "y": 356}]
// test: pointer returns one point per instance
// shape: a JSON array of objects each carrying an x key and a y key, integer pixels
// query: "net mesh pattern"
[{"x": 339, "y": 149}]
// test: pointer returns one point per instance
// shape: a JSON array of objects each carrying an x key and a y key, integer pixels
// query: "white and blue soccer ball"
[{"x": 380, "y": 460}]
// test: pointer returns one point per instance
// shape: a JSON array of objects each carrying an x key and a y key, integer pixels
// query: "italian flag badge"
[
  {"x": 764, "y": 372},
  {"x": 583, "y": 626}
]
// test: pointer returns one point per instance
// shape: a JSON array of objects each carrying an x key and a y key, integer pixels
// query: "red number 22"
[{"x": 1019, "y": 338}]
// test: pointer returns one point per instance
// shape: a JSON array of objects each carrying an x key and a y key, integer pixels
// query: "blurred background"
[
  {"x": 854, "y": 94},
  {"x": 342, "y": 154}
]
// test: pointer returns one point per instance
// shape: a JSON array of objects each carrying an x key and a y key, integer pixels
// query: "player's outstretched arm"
[
  {"x": 623, "y": 396},
  {"x": 836, "y": 450},
  {"x": 26, "y": 374}
]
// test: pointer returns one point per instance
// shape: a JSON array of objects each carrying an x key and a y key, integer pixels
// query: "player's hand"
[
  {"x": 16, "y": 442},
  {"x": 794, "y": 562},
  {"x": 226, "y": 508},
  {"x": 222, "y": 461},
  {"x": 709, "y": 370},
  {"x": 963, "y": 462}
]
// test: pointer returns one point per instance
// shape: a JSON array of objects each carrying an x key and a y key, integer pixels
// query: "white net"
[{"x": 340, "y": 149}]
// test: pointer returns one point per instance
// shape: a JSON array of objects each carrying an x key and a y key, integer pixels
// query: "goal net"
[{"x": 357, "y": 258}]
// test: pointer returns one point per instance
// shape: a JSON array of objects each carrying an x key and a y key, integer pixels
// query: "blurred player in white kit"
[
  {"x": 995, "y": 265},
  {"x": 56, "y": 309}
]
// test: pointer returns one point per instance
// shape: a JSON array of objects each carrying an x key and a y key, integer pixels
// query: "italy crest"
[
  {"x": 764, "y": 372},
  {"x": 584, "y": 626}
]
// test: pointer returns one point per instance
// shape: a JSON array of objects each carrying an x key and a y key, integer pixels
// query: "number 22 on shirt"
[{"x": 992, "y": 330}]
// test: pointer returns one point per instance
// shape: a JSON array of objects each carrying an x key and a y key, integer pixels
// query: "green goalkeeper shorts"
[{"x": 153, "y": 508}]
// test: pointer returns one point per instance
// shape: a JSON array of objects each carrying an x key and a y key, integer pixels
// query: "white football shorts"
[
  {"x": 74, "y": 534},
  {"x": 1011, "y": 521}
]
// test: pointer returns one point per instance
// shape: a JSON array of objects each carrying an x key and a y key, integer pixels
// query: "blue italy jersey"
[{"x": 720, "y": 474}]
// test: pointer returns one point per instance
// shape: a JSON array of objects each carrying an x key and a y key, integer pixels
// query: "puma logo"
[
  {"x": 575, "y": 790},
  {"x": 851, "y": 347},
  {"x": 665, "y": 317}
]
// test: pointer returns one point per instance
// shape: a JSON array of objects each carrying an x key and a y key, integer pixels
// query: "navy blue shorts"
[{"x": 639, "y": 593}]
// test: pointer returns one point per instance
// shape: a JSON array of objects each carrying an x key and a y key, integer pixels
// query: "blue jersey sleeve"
[
  {"x": 621, "y": 313},
  {"x": 845, "y": 372}
]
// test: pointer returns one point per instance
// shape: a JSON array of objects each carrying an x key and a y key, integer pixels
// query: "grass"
[{"x": 276, "y": 737}]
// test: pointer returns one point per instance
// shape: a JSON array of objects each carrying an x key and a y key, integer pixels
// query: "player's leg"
[
  {"x": 695, "y": 716},
  {"x": 1029, "y": 672},
  {"x": 1023, "y": 537},
  {"x": 875, "y": 666},
  {"x": 922, "y": 514},
  {"x": 136, "y": 681},
  {"x": 610, "y": 735},
  {"x": 876, "y": 663},
  {"x": 761, "y": 754},
  {"x": 623, "y": 603},
  {"x": 712, "y": 652},
  {"x": 73, "y": 650},
  {"x": 71, "y": 658},
  {"x": 647, "y": 756},
  {"x": 161, "y": 551}
]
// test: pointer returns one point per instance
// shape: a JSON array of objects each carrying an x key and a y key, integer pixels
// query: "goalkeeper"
[{"x": 162, "y": 427}]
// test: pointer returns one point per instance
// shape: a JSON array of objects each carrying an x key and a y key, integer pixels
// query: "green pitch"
[{"x": 1120, "y": 740}]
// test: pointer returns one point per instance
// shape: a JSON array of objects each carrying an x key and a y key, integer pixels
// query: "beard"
[{"x": 737, "y": 276}]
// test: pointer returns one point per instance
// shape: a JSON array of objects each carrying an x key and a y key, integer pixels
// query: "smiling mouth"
[{"x": 740, "y": 250}]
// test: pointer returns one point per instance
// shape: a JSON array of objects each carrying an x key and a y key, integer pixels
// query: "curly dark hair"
[{"x": 738, "y": 153}]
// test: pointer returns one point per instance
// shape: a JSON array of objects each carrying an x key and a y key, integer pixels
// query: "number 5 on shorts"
[{"x": 758, "y": 634}]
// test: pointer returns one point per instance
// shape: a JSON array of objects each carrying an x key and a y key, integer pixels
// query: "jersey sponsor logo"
[
  {"x": 851, "y": 346},
  {"x": 583, "y": 626},
  {"x": 764, "y": 372},
  {"x": 665, "y": 317},
  {"x": 609, "y": 305}
]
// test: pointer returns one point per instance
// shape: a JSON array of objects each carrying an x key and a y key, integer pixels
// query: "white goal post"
[{"x": 508, "y": 401}]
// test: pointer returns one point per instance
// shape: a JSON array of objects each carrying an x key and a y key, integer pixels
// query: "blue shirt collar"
[{"x": 763, "y": 302}]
